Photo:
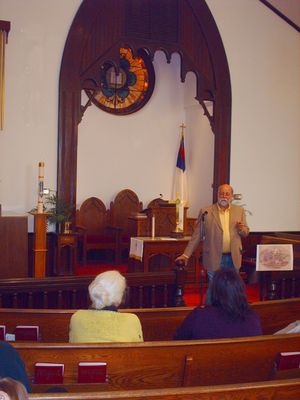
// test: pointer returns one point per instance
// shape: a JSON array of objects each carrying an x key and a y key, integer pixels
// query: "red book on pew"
[
  {"x": 49, "y": 373},
  {"x": 92, "y": 372},
  {"x": 2, "y": 332},
  {"x": 288, "y": 360},
  {"x": 27, "y": 332}
]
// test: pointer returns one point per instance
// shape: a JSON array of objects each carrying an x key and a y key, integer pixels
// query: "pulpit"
[{"x": 164, "y": 214}]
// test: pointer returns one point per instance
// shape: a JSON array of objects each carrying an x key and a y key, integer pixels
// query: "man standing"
[{"x": 220, "y": 227}]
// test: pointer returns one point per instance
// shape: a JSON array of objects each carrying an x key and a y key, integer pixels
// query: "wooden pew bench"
[
  {"x": 271, "y": 390},
  {"x": 157, "y": 323},
  {"x": 152, "y": 365}
]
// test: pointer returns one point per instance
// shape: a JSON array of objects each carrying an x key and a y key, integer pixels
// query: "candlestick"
[
  {"x": 153, "y": 226},
  {"x": 40, "y": 207}
]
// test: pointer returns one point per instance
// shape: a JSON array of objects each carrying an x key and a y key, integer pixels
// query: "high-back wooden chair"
[
  {"x": 95, "y": 233},
  {"x": 125, "y": 204}
]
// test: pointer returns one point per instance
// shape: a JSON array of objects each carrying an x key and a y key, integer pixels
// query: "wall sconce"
[{"x": 4, "y": 29}]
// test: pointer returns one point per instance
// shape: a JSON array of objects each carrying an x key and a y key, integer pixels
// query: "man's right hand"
[{"x": 183, "y": 258}]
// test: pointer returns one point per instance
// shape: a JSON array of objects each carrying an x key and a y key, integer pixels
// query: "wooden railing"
[{"x": 153, "y": 289}]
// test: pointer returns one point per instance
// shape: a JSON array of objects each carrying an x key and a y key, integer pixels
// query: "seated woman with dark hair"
[
  {"x": 228, "y": 316},
  {"x": 103, "y": 323}
]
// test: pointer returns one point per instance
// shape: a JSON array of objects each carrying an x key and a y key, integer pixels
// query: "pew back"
[
  {"x": 271, "y": 390},
  {"x": 157, "y": 323},
  {"x": 165, "y": 364}
]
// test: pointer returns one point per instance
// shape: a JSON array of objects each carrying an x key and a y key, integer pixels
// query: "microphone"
[
  {"x": 202, "y": 226},
  {"x": 204, "y": 215}
]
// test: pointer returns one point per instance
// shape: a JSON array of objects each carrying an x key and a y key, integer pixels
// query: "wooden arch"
[{"x": 101, "y": 27}]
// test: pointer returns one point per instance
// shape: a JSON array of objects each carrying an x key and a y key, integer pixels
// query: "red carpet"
[
  {"x": 191, "y": 298},
  {"x": 97, "y": 268}
]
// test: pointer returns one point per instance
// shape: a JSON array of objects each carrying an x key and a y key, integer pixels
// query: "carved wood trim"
[{"x": 100, "y": 28}]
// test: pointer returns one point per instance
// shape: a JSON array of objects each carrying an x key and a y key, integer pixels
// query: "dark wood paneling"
[{"x": 13, "y": 247}]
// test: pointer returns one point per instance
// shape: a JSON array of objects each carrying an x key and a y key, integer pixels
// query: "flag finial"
[{"x": 182, "y": 126}]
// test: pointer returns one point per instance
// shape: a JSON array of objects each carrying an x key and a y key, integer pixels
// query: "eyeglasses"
[{"x": 227, "y": 194}]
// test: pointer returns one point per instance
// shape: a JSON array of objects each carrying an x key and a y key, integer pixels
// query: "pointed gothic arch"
[{"x": 101, "y": 27}]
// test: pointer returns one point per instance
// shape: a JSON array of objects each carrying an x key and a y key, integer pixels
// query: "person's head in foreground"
[
  {"x": 229, "y": 295},
  {"x": 107, "y": 290},
  {"x": 12, "y": 366},
  {"x": 10, "y": 389}
]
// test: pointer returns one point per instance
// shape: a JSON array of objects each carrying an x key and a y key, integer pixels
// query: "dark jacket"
[
  {"x": 12, "y": 366},
  {"x": 211, "y": 323}
]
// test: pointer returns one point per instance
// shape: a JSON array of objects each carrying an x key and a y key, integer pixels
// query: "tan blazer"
[{"x": 209, "y": 230}]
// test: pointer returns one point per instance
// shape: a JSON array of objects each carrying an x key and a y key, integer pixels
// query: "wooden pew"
[
  {"x": 152, "y": 365},
  {"x": 288, "y": 389},
  {"x": 157, "y": 323}
]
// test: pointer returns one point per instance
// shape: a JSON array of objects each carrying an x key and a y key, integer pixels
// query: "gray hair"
[{"x": 107, "y": 289}]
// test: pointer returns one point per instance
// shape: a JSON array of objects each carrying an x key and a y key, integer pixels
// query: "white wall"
[
  {"x": 264, "y": 60},
  {"x": 139, "y": 151},
  {"x": 263, "y": 53},
  {"x": 33, "y": 56}
]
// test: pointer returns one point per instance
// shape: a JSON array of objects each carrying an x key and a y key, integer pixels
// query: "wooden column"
[{"x": 40, "y": 247}]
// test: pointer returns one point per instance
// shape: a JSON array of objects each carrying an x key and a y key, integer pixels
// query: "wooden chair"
[
  {"x": 125, "y": 204},
  {"x": 95, "y": 233}
]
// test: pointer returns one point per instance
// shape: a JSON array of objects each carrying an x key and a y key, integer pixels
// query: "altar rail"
[{"x": 153, "y": 289}]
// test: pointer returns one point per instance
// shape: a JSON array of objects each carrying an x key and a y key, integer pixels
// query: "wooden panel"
[
  {"x": 13, "y": 247},
  {"x": 152, "y": 365}
]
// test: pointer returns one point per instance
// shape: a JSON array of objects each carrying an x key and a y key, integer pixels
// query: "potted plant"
[{"x": 59, "y": 212}]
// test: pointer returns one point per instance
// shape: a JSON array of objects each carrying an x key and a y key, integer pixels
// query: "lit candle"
[
  {"x": 40, "y": 207},
  {"x": 153, "y": 226}
]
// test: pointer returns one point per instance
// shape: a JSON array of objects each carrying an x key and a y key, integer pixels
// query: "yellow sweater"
[{"x": 92, "y": 326}]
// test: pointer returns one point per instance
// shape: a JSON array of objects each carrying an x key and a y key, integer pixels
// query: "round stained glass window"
[{"x": 127, "y": 90}]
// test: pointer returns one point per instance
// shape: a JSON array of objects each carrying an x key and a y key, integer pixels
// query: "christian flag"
[
  {"x": 180, "y": 192},
  {"x": 181, "y": 155}
]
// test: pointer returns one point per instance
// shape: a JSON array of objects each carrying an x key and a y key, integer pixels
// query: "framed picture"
[{"x": 274, "y": 257}]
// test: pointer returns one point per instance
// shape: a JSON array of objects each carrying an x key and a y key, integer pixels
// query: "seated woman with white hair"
[{"x": 103, "y": 322}]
